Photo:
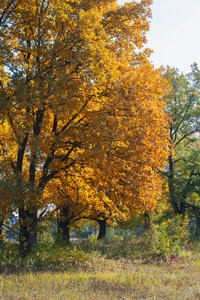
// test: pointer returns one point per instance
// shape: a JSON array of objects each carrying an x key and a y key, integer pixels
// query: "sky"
[{"x": 174, "y": 33}]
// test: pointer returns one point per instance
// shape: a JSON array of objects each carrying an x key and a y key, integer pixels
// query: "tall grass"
[
  {"x": 103, "y": 278},
  {"x": 160, "y": 264}
]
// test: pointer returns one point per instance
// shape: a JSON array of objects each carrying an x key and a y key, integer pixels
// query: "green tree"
[{"x": 183, "y": 167}]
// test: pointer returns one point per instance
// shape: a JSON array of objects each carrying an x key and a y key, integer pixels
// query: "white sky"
[{"x": 174, "y": 34}]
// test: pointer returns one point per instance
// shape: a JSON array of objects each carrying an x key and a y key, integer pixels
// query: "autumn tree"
[
  {"x": 183, "y": 172},
  {"x": 80, "y": 98},
  {"x": 122, "y": 179}
]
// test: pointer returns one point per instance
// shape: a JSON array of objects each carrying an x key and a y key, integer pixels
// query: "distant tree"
[{"x": 183, "y": 171}]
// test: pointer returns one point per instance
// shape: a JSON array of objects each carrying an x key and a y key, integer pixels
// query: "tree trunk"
[
  {"x": 198, "y": 225},
  {"x": 1, "y": 232},
  {"x": 102, "y": 229},
  {"x": 146, "y": 221},
  {"x": 182, "y": 209},
  {"x": 63, "y": 221},
  {"x": 28, "y": 230},
  {"x": 173, "y": 199}
]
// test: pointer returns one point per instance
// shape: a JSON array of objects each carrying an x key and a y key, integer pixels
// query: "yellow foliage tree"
[{"x": 80, "y": 98}]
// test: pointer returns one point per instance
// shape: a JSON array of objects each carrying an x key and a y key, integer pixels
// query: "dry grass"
[
  {"x": 155, "y": 265},
  {"x": 107, "y": 279}
]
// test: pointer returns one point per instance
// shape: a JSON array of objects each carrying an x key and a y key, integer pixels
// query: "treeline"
[{"x": 89, "y": 130}]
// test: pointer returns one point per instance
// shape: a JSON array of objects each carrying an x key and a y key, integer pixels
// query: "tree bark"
[
  {"x": 63, "y": 221},
  {"x": 197, "y": 225},
  {"x": 102, "y": 228},
  {"x": 28, "y": 230},
  {"x": 1, "y": 232},
  {"x": 173, "y": 199},
  {"x": 146, "y": 221},
  {"x": 182, "y": 209}
]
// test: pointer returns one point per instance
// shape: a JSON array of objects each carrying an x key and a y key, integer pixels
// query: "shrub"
[{"x": 169, "y": 237}]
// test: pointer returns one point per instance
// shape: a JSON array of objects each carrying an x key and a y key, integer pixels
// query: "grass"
[
  {"x": 152, "y": 266},
  {"x": 102, "y": 278}
]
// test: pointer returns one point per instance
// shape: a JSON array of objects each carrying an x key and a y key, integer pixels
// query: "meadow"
[
  {"x": 107, "y": 279},
  {"x": 133, "y": 267}
]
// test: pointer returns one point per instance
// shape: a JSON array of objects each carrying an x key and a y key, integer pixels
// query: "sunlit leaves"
[{"x": 83, "y": 113}]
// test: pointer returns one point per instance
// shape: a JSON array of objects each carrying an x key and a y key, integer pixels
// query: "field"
[
  {"x": 107, "y": 279},
  {"x": 100, "y": 270}
]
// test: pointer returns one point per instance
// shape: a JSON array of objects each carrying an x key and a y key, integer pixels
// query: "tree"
[
  {"x": 79, "y": 98},
  {"x": 183, "y": 162},
  {"x": 125, "y": 180}
]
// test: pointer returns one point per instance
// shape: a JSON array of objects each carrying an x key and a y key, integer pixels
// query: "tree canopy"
[
  {"x": 81, "y": 103},
  {"x": 183, "y": 162}
]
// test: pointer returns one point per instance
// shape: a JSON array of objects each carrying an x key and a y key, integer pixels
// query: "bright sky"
[{"x": 174, "y": 34}]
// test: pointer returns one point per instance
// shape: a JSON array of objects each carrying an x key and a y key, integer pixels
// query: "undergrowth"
[{"x": 165, "y": 242}]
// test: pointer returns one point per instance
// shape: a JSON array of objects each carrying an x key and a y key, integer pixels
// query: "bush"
[
  {"x": 47, "y": 256},
  {"x": 169, "y": 237}
]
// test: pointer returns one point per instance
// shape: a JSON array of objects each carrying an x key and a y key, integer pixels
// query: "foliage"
[
  {"x": 164, "y": 240},
  {"x": 48, "y": 256},
  {"x": 81, "y": 111},
  {"x": 169, "y": 237},
  {"x": 183, "y": 169}
]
